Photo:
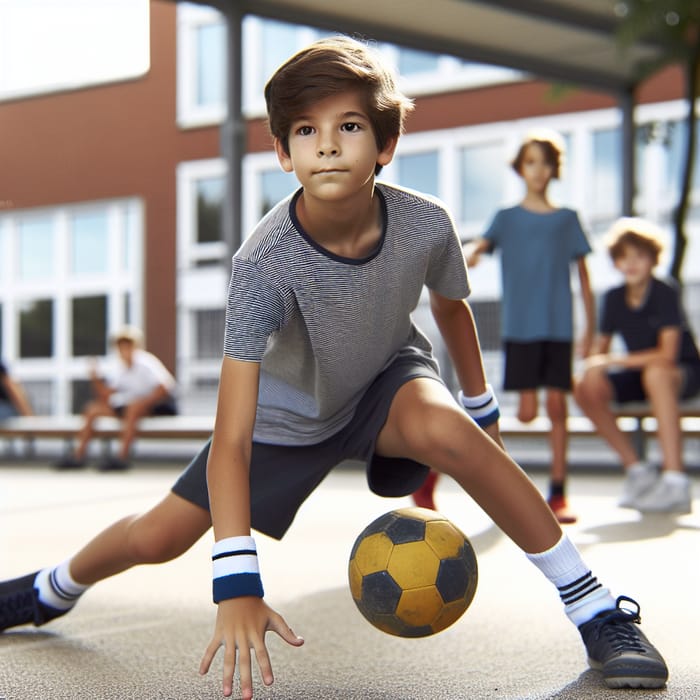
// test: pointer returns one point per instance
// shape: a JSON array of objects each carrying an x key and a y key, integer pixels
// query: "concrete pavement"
[{"x": 140, "y": 635}]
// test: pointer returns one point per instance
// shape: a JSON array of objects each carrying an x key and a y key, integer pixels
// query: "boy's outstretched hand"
[{"x": 241, "y": 624}]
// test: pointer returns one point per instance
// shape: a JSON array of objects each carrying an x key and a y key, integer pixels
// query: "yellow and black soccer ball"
[{"x": 412, "y": 572}]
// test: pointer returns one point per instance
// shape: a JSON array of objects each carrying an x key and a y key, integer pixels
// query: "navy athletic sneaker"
[
  {"x": 617, "y": 647},
  {"x": 20, "y": 604}
]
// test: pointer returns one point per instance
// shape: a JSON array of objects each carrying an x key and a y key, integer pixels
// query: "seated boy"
[
  {"x": 661, "y": 366},
  {"x": 322, "y": 363},
  {"x": 138, "y": 385}
]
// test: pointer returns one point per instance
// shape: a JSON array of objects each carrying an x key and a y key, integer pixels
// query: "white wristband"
[{"x": 482, "y": 408}]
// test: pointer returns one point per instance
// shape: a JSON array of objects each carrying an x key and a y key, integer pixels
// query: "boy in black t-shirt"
[{"x": 661, "y": 365}]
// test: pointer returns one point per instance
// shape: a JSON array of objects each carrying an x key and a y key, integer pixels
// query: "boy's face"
[
  {"x": 332, "y": 148},
  {"x": 534, "y": 169},
  {"x": 635, "y": 264}
]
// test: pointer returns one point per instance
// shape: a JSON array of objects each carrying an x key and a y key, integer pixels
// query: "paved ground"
[{"x": 140, "y": 635}]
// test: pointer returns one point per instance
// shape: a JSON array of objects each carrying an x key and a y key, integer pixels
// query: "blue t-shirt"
[{"x": 536, "y": 254}]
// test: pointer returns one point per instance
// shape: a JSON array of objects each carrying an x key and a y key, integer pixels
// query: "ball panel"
[
  {"x": 419, "y": 607},
  {"x": 413, "y": 564},
  {"x": 373, "y": 553},
  {"x": 380, "y": 594},
  {"x": 355, "y": 579},
  {"x": 444, "y": 538},
  {"x": 448, "y": 615},
  {"x": 406, "y": 529},
  {"x": 456, "y": 579},
  {"x": 376, "y": 526}
]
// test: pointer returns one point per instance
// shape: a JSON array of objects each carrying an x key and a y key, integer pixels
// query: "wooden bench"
[
  {"x": 633, "y": 418},
  {"x": 29, "y": 429}
]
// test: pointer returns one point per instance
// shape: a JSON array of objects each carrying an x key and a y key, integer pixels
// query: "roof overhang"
[{"x": 568, "y": 41}]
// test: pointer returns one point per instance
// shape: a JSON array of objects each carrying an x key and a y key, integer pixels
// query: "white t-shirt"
[{"x": 131, "y": 383}]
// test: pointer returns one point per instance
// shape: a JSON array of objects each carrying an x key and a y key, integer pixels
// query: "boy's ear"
[
  {"x": 386, "y": 155},
  {"x": 283, "y": 157}
]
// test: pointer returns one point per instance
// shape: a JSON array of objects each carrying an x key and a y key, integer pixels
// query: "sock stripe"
[
  {"x": 579, "y": 589},
  {"x": 59, "y": 591}
]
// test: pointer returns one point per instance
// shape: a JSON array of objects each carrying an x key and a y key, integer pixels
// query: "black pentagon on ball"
[
  {"x": 405, "y": 529},
  {"x": 378, "y": 525},
  {"x": 457, "y": 578},
  {"x": 380, "y": 594}
]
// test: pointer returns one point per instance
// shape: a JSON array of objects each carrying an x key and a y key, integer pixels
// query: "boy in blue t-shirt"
[
  {"x": 322, "y": 363},
  {"x": 538, "y": 243},
  {"x": 661, "y": 365}
]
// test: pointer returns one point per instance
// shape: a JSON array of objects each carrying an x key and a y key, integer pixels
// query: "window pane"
[
  {"x": 482, "y": 178},
  {"x": 81, "y": 393},
  {"x": 89, "y": 243},
  {"x": 412, "y": 61},
  {"x": 89, "y": 326},
  {"x": 677, "y": 145},
  {"x": 35, "y": 249},
  {"x": 36, "y": 329},
  {"x": 210, "y": 333},
  {"x": 419, "y": 171},
  {"x": 279, "y": 42},
  {"x": 211, "y": 65},
  {"x": 607, "y": 172},
  {"x": 40, "y": 394},
  {"x": 210, "y": 198},
  {"x": 275, "y": 185}
]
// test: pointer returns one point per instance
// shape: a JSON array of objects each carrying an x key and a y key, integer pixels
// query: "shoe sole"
[
  {"x": 683, "y": 509},
  {"x": 631, "y": 680}
]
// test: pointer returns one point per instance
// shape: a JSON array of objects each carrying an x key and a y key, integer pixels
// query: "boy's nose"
[{"x": 327, "y": 150}]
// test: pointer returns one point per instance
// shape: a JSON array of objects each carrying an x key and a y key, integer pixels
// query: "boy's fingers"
[
  {"x": 263, "y": 659},
  {"x": 244, "y": 674},
  {"x": 229, "y": 669},
  {"x": 277, "y": 624},
  {"x": 208, "y": 657}
]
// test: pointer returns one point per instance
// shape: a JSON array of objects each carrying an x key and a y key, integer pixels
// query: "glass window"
[
  {"x": 89, "y": 243},
  {"x": 210, "y": 199},
  {"x": 89, "y": 326},
  {"x": 482, "y": 181},
  {"x": 211, "y": 64},
  {"x": 412, "y": 61},
  {"x": 36, "y": 329},
  {"x": 81, "y": 393},
  {"x": 677, "y": 144},
  {"x": 279, "y": 41},
  {"x": 41, "y": 395},
  {"x": 35, "y": 249},
  {"x": 419, "y": 171},
  {"x": 607, "y": 173},
  {"x": 210, "y": 333},
  {"x": 275, "y": 185}
]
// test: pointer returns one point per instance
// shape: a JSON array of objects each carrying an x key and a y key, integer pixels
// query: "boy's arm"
[
  {"x": 586, "y": 342},
  {"x": 473, "y": 250},
  {"x": 16, "y": 394},
  {"x": 455, "y": 321},
  {"x": 666, "y": 350},
  {"x": 241, "y": 621}
]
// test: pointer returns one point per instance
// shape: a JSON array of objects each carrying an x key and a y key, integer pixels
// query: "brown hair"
[
  {"x": 552, "y": 146},
  {"x": 638, "y": 233},
  {"x": 328, "y": 67}
]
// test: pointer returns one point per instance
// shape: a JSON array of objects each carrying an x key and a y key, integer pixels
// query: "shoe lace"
[{"x": 618, "y": 627}]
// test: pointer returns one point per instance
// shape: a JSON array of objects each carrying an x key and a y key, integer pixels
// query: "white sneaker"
[
  {"x": 670, "y": 494},
  {"x": 640, "y": 478}
]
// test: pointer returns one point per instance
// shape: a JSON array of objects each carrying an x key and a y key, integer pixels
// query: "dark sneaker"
[
  {"x": 20, "y": 605},
  {"x": 617, "y": 647},
  {"x": 112, "y": 464},
  {"x": 69, "y": 462}
]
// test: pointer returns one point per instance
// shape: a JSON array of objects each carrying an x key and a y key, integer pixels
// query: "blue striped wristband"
[
  {"x": 236, "y": 571},
  {"x": 483, "y": 408}
]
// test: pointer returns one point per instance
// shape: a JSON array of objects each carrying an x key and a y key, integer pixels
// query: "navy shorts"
[
  {"x": 165, "y": 408},
  {"x": 541, "y": 363},
  {"x": 627, "y": 384},
  {"x": 283, "y": 476}
]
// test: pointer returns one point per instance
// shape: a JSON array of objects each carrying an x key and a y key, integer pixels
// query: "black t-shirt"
[{"x": 640, "y": 327}]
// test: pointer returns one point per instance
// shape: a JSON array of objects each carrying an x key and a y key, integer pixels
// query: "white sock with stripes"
[
  {"x": 583, "y": 596},
  {"x": 56, "y": 587}
]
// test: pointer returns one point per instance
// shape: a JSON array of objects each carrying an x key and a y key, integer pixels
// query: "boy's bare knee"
[{"x": 152, "y": 542}]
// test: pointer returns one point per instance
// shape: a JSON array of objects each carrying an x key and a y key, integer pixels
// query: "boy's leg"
[
  {"x": 557, "y": 411},
  {"x": 92, "y": 412},
  {"x": 670, "y": 493},
  {"x": 161, "y": 534},
  {"x": 424, "y": 424}
]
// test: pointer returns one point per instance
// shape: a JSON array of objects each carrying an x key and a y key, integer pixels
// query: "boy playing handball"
[{"x": 323, "y": 363}]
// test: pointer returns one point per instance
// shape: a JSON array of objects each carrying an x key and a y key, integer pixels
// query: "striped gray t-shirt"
[{"x": 324, "y": 326}]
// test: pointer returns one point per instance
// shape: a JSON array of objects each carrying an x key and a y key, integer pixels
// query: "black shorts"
[
  {"x": 165, "y": 408},
  {"x": 283, "y": 476},
  {"x": 542, "y": 363},
  {"x": 627, "y": 384}
]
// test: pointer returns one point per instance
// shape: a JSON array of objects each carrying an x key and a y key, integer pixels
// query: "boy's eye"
[
  {"x": 305, "y": 130},
  {"x": 351, "y": 126}
]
